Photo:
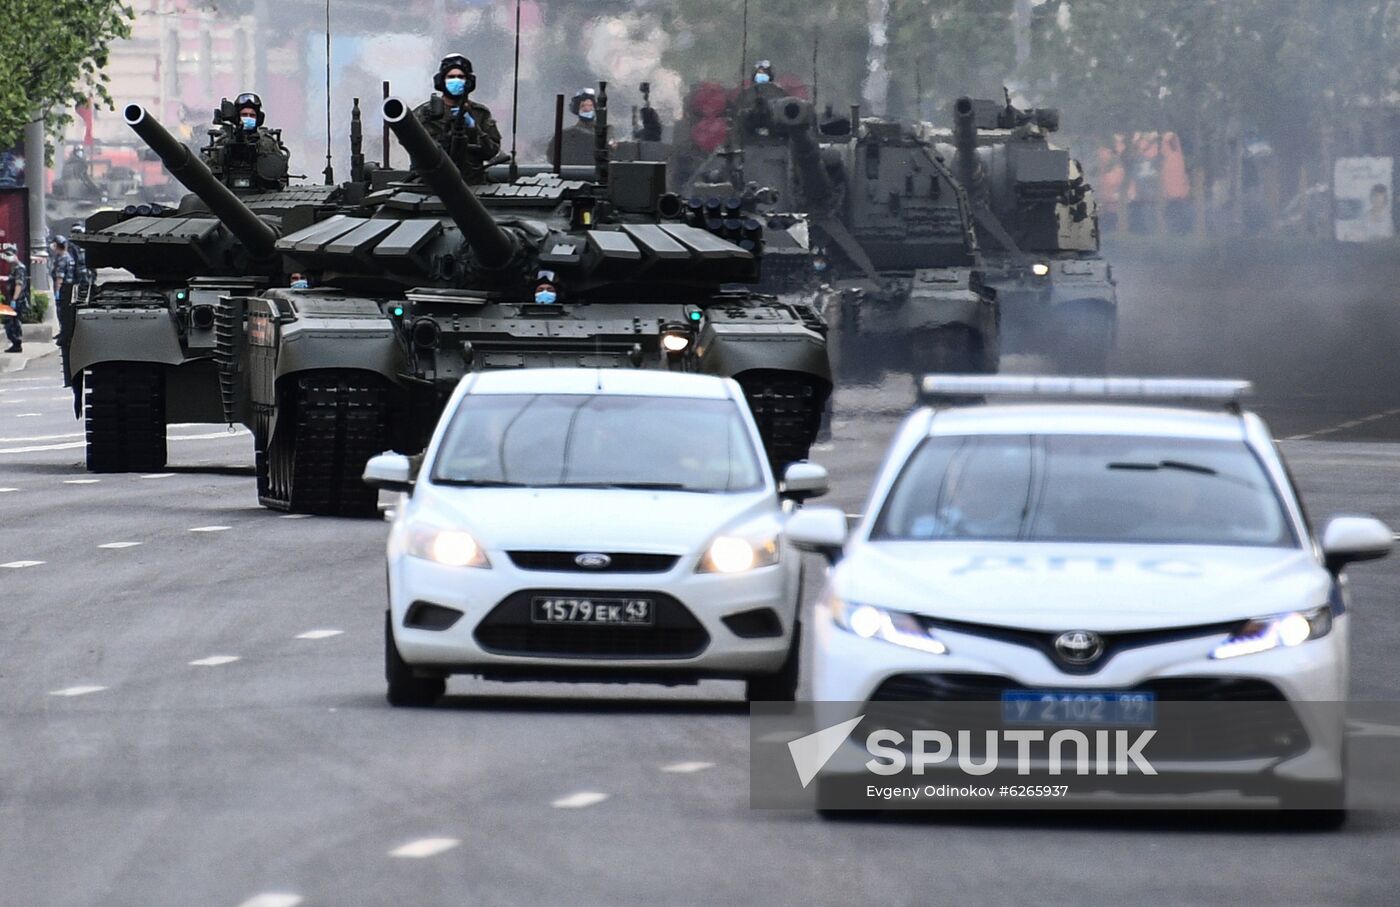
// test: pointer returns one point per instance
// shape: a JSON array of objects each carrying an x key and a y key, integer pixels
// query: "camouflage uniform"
[
  {"x": 265, "y": 143},
  {"x": 17, "y": 296},
  {"x": 481, "y": 138}
]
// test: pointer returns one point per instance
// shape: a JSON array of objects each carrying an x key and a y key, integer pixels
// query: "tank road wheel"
[
  {"x": 125, "y": 416},
  {"x": 955, "y": 349},
  {"x": 329, "y": 424},
  {"x": 788, "y": 408}
]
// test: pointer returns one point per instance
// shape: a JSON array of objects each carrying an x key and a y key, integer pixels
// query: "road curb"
[{"x": 17, "y": 362}]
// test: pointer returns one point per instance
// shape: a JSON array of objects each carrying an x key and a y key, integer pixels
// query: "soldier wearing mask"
[
  {"x": 753, "y": 112},
  {"x": 243, "y": 153},
  {"x": 16, "y": 296},
  {"x": 465, "y": 129},
  {"x": 578, "y": 144}
]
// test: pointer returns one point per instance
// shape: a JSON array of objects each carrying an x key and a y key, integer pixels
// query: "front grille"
[
  {"x": 618, "y": 562},
  {"x": 1044, "y": 642},
  {"x": 508, "y": 630},
  {"x": 1197, "y": 718}
]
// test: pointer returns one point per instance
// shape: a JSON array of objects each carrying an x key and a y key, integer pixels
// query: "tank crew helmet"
[
  {"x": 763, "y": 72},
  {"x": 466, "y": 82},
  {"x": 576, "y": 103},
  {"x": 249, "y": 100}
]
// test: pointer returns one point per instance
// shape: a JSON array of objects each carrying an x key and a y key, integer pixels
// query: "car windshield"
[
  {"x": 598, "y": 440},
  {"x": 1078, "y": 488}
]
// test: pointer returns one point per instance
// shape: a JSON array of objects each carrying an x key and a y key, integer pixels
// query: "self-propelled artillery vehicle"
[
  {"x": 888, "y": 220},
  {"x": 1038, "y": 227}
]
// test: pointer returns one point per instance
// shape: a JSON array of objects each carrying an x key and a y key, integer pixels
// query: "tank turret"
[
  {"x": 795, "y": 119},
  {"x": 255, "y": 235},
  {"x": 493, "y": 247}
]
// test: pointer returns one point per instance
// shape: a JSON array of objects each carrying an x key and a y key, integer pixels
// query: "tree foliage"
[{"x": 52, "y": 53}]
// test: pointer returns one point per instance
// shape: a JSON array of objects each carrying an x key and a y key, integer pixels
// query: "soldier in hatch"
[{"x": 465, "y": 129}]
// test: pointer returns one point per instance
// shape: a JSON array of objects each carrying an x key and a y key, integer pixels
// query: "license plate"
[
  {"x": 1072, "y": 707},
  {"x": 627, "y": 612}
]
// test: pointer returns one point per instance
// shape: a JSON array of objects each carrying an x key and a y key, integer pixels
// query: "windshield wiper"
[
  {"x": 1166, "y": 464},
  {"x": 478, "y": 483}
]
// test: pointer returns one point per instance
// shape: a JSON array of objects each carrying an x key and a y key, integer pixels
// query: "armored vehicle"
[
  {"x": 1038, "y": 227},
  {"x": 888, "y": 220},
  {"x": 143, "y": 347},
  {"x": 427, "y": 280}
]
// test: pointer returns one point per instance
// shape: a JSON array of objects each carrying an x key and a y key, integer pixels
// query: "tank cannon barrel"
[
  {"x": 194, "y": 175},
  {"x": 796, "y": 119},
  {"x": 494, "y": 247},
  {"x": 969, "y": 169}
]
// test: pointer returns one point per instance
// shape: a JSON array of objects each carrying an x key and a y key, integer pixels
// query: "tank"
[
  {"x": 424, "y": 281},
  {"x": 145, "y": 335},
  {"x": 1038, "y": 227},
  {"x": 902, "y": 283}
]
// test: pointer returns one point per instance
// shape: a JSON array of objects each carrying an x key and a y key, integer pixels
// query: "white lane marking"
[
  {"x": 213, "y": 661},
  {"x": 319, "y": 634},
  {"x": 117, "y": 545},
  {"x": 272, "y": 899},
  {"x": 687, "y": 768},
  {"x": 72, "y": 445},
  {"x": 81, "y": 481},
  {"x": 15, "y": 565},
  {"x": 1344, "y": 425},
  {"x": 209, "y": 529},
  {"x": 579, "y": 800},
  {"x": 77, "y": 691},
  {"x": 158, "y": 475},
  {"x": 424, "y": 847},
  {"x": 7, "y": 490},
  {"x": 27, "y": 415},
  {"x": 63, "y": 399},
  {"x": 295, "y": 516},
  {"x": 33, "y": 438}
]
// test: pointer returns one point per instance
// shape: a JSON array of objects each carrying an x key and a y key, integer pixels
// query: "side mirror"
[
  {"x": 802, "y": 481},
  {"x": 1347, "y": 539},
  {"x": 389, "y": 471},
  {"x": 819, "y": 529}
]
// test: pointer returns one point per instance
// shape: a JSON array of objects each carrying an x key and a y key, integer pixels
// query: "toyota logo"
[
  {"x": 1079, "y": 647},
  {"x": 593, "y": 561}
]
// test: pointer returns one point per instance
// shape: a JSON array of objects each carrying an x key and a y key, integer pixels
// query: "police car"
[
  {"x": 1090, "y": 549},
  {"x": 586, "y": 524}
]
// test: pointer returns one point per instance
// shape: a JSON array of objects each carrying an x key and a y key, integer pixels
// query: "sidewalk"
[{"x": 38, "y": 343}]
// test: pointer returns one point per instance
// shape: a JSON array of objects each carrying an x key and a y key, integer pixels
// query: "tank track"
[
  {"x": 952, "y": 349},
  {"x": 788, "y": 409},
  {"x": 124, "y": 409},
  {"x": 330, "y": 424}
]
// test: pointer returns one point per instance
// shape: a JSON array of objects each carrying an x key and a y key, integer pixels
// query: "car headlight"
[
  {"x": 450, "y": 547},
  {"x": 1040, "y": 269},
  {"x": 899, "y": 628},
  {"x": 1278, "y": 631},
  {"x": 739, "y": 554}
]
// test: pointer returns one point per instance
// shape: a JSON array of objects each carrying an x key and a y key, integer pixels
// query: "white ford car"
[
  {"x": 601, "y": 525},
  {"x": 1087, "y": 553}
]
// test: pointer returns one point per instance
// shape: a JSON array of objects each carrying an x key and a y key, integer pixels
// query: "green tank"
[
  {"x": 422, "y": 282},
  {"x": 143, "y": 350},
  {"x": 1038, "y": 227},
  {"x": 903, "y": 284}
]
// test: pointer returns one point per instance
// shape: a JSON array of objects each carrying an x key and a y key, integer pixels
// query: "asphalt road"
[{"x": 197, "y": 717}]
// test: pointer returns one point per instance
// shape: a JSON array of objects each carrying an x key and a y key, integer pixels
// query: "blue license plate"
[{"x": 1078, "y": 707}]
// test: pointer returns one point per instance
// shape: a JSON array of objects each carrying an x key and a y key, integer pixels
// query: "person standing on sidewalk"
[
  {"x": 17, "y": 297},
  {"x": 64, "y": 271}
]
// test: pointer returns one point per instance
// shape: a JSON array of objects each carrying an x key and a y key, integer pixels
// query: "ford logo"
[
  {"x": 1079, "y": 647},
  {"x": 593, "y": 561}
]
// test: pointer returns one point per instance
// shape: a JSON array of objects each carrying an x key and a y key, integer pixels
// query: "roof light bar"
[{"x": 1202, "y": 390}]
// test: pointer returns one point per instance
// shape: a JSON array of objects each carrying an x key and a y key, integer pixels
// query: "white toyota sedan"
[
  {"x": 1085, "y": 549},
  {"x": 592, "y": 525}
]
